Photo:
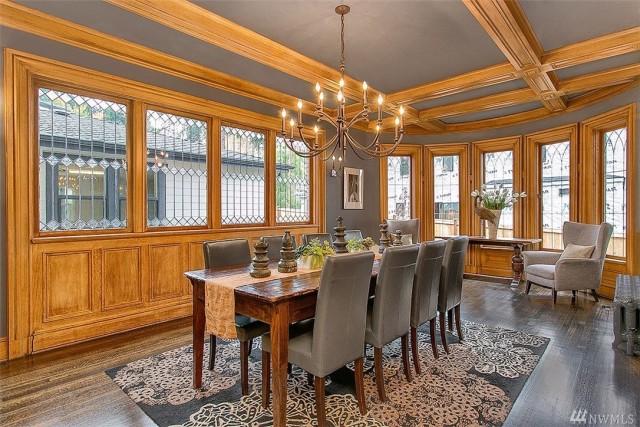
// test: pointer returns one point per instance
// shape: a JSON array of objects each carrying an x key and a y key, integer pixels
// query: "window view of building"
[
  {"x": 446, "y": 195},
  {"x": 399, "y": 187},
  {"x": 82, "y": 162},
  {"x": 498, "y": 170},
  {"x": 293, "y": 184},
  {"x": 615, "y": 189},
  {"x": 555, "y": 192}
]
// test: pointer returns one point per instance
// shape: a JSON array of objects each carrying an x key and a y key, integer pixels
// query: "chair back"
[
  {"x": 323, "y": 237},
  {"x": 426, "y": 282},
  {"x": 450, "y": 292},
  {"x": 587, "y": 235},
  {"x": 341, "y": 310},
  {"x": 407, "y": 226},
  {"x": 275, "y": 245},
  {"x": 352, "y": 234},
  {"x": 392, "y": 303},
  {"x": 223, "y": 253}
]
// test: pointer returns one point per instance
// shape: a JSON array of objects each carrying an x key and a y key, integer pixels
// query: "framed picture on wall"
[{"x": 353, "y": 188}]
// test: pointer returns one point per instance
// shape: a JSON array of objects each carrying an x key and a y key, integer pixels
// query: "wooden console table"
[{"x": 517, "y": 262}]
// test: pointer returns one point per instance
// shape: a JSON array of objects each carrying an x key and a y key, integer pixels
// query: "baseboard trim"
[
  {"x": 4, "y": 349},
  {"x": 486, "y": 278}
]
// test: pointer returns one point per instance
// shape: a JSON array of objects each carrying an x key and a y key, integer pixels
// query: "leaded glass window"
[
  {"x": 242, "y": 176},
  {"x": 615, "y": 189},
  {"x": 292, "y": 183},
  {"x": 176, "y": 170},
  {"x": 555, "y": 192},
  {"x": 399, "y": 187},
  {"x": 498, "y": 170},
  {"x": 82, "y": 147},
  {"x": 446, "y": 194}
]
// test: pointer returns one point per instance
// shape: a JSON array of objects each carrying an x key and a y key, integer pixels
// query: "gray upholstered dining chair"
[
  {"x": 450, "y": 292},
  {"x": 275, "y": 245},
  {"x": 335, "y": 337},
  {"x": 407, "y": 226},
  {"x": 222, "y": 253},
  {"x": 352, "y": 234},
  {"x": 323, "y": 237},
  {"x": 571, "y": 270},
  {"x": 424, "y": 297},
  {"x": 388, "y": 317}
]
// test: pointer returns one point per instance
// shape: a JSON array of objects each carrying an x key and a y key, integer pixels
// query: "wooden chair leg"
[
  {"x": 289, "y": 368},
  {"x": 405, "y": 356},
  {"x": 309, "y": 379},
  {"x": 528, "y": 287},
  {"x": 212, "y": 352},
  {"x": 443, "y": 333},
  {"x": 320, "y": 409},
  {"x": 250, "y": 346},
  {"x": 266, "y": 378},
  {"x": 377, "y": 365},
  {"x": 362, "y": 404},
  {"x": 450, "y": 319},
  {"x": 432, "y": 332},
  {"x": 244, "y": 367},
  {"x": 458, "y": 322},
  {"x": 595, "y": 295},
  {"x": 555, "y": 295},
  {"x": 414, "y": 349}
]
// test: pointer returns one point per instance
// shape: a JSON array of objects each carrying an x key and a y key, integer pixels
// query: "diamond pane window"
[
  {"x": 176, "y": 170},
  {"x": 615, "y": 189},
  {"x": 242, "y": 176},
  {"x": 293, "y": 185},
  {"x": 498, "y": 170},
  {"x": 555, "y": 192},
  {"x": 82, "y": 144},
  {"x": 446, "y": 194},
  {"x": 399, "y": 187}
]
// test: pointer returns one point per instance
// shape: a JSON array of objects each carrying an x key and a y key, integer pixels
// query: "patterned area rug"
[{"x": 475, "y": 385}]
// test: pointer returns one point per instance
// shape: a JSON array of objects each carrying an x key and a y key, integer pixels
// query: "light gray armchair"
[{"x": 562, "y": 273}]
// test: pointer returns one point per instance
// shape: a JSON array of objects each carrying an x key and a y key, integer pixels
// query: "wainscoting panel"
[
  {"x": 67, "y": 285},
  {"x": 166, "y": 265},
  {"x": 121, "y": 278}
]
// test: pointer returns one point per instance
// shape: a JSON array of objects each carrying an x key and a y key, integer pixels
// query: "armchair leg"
[
  {"x": 595, "y": 295},
  {"x": 266, "y": 378},
  {"x": 528, "y": 287},
  {"x": 555, "y": 295},
  {"x": 443, "y": 333},
  {"x": 432, "y": 332},
  {"x": 212, "y": 352},
  {"x": 320, "y": 406},
  {"x": 414, "y": 349}
]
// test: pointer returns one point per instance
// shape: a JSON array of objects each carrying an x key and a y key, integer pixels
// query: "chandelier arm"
[
  {"x": 328, "y": 119},
  {"x": 310, "y": 147},
  {"x": 329, "y": 155},
  {"x": 386, "y": 152},
  {"x": 375, "y": 140},
  {"x": 357, "y": 149},
  {"x": 304, "y": 154},
  {"x": 359, "y": 117}
]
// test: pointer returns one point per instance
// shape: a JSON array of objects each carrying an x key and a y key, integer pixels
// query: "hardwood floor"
[{"x": 579, "y": 370}]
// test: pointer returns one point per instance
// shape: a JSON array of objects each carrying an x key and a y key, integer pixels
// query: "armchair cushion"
[
  {"x": 542, "y": 270},
  {"x": 540, "y": 257},
  {"x": 577, "y": 251}
]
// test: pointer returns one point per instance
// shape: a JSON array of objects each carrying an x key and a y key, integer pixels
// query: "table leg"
[
  {"x": 198, "y": 333},
  {"x": 279, "y": 359},
  {"x": 517, "y": 264}
]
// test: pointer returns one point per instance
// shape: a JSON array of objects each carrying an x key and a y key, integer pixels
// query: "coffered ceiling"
[{"x": 456, "y": 65}]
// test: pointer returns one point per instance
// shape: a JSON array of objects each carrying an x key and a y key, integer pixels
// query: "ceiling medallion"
[{"x": 340, "y": 122}]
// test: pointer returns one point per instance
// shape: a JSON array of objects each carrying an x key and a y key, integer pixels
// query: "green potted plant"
[
  {"x": 313, "y": 254},
  {"x": 356, "y": 245}
]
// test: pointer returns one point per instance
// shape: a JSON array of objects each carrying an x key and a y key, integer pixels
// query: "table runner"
[{"x": 220, "y": 300}]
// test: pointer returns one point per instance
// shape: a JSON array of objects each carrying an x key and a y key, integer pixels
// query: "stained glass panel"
[
  {"x": 446, "y": 194},
  {"x": 498, "y": 170},
  {"x": 242, "y": 176},
  {"x": 176, "y": 170},
  {"x": 399, "y": 187},
  {"x": 615, "y": 189},
  {"x": 555, "y": 192},
  {"x": 82, "y": 144},
  {"x": 293, "y": 185}
]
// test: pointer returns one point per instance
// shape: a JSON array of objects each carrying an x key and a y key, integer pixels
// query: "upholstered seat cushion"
[
  {"x": 542, "y": 270},
  {"x": 300, "y": 346},
  {"x": 248, "y": 328}
]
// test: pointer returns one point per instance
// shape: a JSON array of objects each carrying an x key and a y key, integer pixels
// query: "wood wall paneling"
[
  {"x": 166, "y": 265},
  {"x": 67, "y": 285},
  {"x": 121, "y": 278}
]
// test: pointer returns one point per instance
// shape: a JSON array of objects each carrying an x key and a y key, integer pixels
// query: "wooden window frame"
[
  {"x": 533, "y": 144},
  {"x": 417, "y": 175},
  {"x": 592, "y": 168},
  {"x": 430, "y": 153}
]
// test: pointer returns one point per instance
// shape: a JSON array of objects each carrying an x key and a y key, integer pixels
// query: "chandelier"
[{"x": 340, "y": 122}]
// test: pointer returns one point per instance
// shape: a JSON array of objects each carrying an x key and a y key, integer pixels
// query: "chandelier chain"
[{"x": 342, "y": 44}]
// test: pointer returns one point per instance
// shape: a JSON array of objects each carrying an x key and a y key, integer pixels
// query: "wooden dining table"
[{"x": 278, "y": 302}]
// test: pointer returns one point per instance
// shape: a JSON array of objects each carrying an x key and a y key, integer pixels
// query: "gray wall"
[{"x": 366, "y": 219}]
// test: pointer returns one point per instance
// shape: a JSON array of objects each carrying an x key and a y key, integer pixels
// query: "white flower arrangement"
[{"x": 497, "y": 198}]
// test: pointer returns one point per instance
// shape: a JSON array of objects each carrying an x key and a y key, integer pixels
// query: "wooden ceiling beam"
[
  {"x": 18, "y": 17},
  {"x": 507, "y": 25},
  {"x": 600, "y": 79}
]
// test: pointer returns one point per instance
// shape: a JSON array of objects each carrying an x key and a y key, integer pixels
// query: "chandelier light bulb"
[
  {"x": 283, "y": 113},
  {"x": 341, "y": 83},
  {"x": 318, "y": 87},
  {"x": 377, "y": 128},
  {"x": 340, "y": 95},
  {"x": 397, "y": 121},
  {"x": 401, "y": 110},
  {"x": 321, "y": 96},
  {"x": 364, "y": 86},
  {"x": 292, "y": 122},
  {"x": 315, "y": 129},
  {"x": 380, "y": 99},
  {"x": 300, "y": 104},
  {"x": 340, "y": 158}
]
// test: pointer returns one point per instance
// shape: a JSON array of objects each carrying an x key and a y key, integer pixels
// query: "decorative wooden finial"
[
  {"x": 385, "y": 242},
  {"x": 340, "y": 243},
  {"x": 260, "y": 261},
  {"x": 287, "y": 262},
  {"x": 397, "y": 238}
]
